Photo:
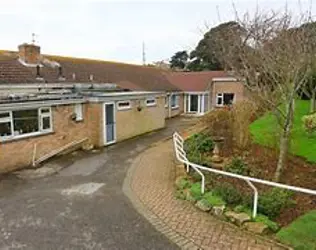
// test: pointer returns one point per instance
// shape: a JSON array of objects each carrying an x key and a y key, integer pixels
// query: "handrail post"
[
  {"x": 203, "y": 184},
  {"x": 255, "y": 199}
]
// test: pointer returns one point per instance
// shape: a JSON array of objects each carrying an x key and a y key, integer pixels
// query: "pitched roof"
[
  {"x": 194, "y": 81},
  {"x": 139, "y": 77},
  {"x": 128, "y": 85}
]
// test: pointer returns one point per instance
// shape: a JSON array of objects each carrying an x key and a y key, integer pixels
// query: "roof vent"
[
  {"x": 60, "y": 74},
  {"x": 38, "y": 73},
  {"x": 73, "y": 76},
  {"x": 91, "y": 77}
]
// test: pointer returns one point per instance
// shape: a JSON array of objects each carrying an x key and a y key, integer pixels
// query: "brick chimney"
[{"x": 30, "y": 53}]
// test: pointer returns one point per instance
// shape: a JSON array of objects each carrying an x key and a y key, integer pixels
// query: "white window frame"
[
  {"x": 176, "y": 106},
  {"x": 166, "y": 101},
  {"x": 129, "y": 106},
  {"x": 78, "y": 110},
  {"x": 6, "y": 120},
  {"x": 152, "y": 102},
  {"x": 220, "y": 96},
  {"x": 40, "y": 124},
  {"x": 41, "y": 116}
]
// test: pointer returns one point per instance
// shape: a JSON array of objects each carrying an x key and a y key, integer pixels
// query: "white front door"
[{"x": 109, "y": 123}]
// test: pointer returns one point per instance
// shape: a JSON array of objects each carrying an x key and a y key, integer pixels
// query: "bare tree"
[{"x": 273, "y": 59}]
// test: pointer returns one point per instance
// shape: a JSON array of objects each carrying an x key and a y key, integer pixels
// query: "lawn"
[
  {"x": 265, "y": 130},
  {"x": 301, "y": 233}
]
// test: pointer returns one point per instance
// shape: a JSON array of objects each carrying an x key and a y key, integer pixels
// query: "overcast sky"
[{"x": 115, "y": 30}]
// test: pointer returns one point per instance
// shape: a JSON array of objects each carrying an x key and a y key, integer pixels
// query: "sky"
[{"x": 116, "y": 30}]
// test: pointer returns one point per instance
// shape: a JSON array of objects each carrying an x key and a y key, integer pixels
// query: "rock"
[
  {"x": 218, "y": 210},
  {"x": 188, "y": 195},
  {"x": 203, "y": 205},
  {"x": 237, "y": 218},
  {"x": 257, "y": 227}
]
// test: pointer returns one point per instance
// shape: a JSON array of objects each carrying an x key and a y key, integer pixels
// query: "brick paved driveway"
[
  {"x": 152, "y": 181},
  {"x": 82, "y": 207}
]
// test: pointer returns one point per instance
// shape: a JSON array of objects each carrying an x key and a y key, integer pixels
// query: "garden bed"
[
  {"x": 277, "y": 207},
  {"x": 262, "y": 162}
]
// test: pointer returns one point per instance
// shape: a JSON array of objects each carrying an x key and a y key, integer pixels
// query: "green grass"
[
  {"x": 265, "y": 131},
  {"x": 301, "y": 233}
]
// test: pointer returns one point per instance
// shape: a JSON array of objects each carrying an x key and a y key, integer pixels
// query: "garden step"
[
  {"x": 257, "y": 227},
  {"x": 237, "y": 218}
]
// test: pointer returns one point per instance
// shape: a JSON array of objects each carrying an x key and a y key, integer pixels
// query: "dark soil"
[{"x": 262, "y": 162}]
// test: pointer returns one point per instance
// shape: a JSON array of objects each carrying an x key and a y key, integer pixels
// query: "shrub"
[
  {"x": 213, "y": 199},
  {"x": 198, "y": 158},
  {"x": 242, "y": 209},
  {"x": 237, "y": 166},
  {"x": 200, "y": 143},
  {"x": 271, "y": 203},
  {"x": 309, "y": 122},
  {"x": 242, "y": 116},
  {"x": 182, "y": 183},
  {"x": 273, "y": 226},
  {"x": 218, "y": 122},
  {"x": 229, "y": 194},
  {"x": 195, "y": 191}
]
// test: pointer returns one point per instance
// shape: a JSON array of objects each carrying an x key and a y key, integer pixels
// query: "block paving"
[{"x": 150, "y": 186}]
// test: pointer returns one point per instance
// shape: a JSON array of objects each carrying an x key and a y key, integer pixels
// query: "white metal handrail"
[{"x": 181, "y": 156}]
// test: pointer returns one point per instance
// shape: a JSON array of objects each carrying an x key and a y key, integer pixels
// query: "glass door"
[
  {"x": 194, "y": 103},
  {"x": 109, "y": 123}
]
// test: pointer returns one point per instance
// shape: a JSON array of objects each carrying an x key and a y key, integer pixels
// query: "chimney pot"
[{"x": 30, "y": 53}]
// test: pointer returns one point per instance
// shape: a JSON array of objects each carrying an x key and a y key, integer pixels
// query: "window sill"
[
  {"x": 151, "y": 105},
  {"x": 176, "y": 107},
  {"x": 26, "y": 136},
  {"x": 124, "y": 109}
]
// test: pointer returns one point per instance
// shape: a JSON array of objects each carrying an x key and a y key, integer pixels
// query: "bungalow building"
[
  {"x": 206, "y": 90},
  {"x": 51, "y": 103}
]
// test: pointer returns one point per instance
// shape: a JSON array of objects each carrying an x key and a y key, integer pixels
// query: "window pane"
[
  {"x": 25, "y": 121},
  {"x": 174, "y": 101},
  {"x": 5, "y": 129},
  {"x": 219, "y": 100},
  {"x": 44, "y": 110},
  {"x": 205, "y": 103},
  {"x": 228, "y": 98},
  {"x": 124, "y": 104},
  {"x": 5, "y": 115},
  {"x": 150, "y": 102},
  {"x": 46, "y": 123}
]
